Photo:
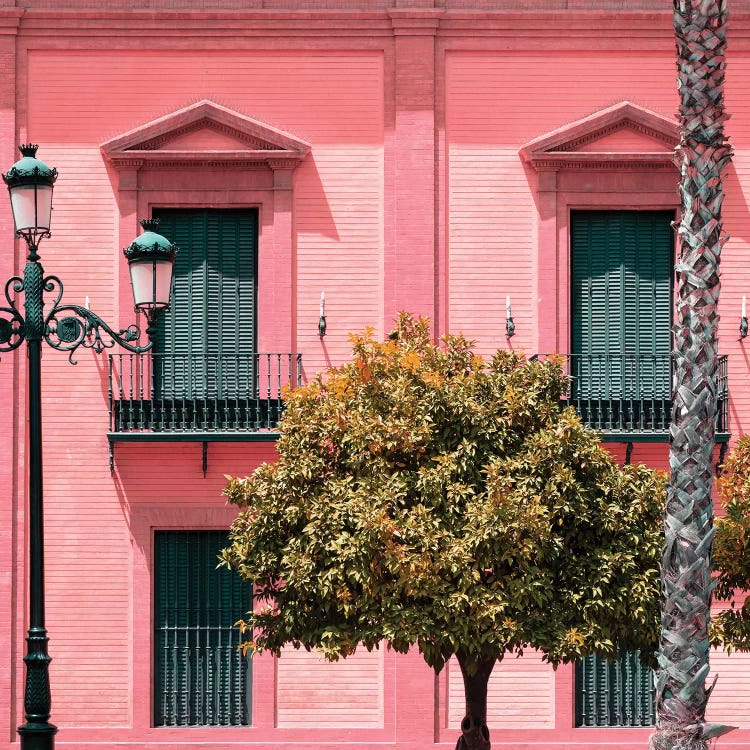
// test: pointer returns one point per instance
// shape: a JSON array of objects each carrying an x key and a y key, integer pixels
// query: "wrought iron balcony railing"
[
  {"x": 631, "y": 393},
  {"x": 185, "y": 393}
]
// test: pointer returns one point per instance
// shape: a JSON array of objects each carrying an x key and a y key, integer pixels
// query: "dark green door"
[
  {"x": 205, "y": 343},
  {"x": 621, "y": 312},
  {"x": 201, "y": 677}
]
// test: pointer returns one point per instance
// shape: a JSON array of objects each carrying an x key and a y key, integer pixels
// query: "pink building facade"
[{"x": 446, "y": 157}]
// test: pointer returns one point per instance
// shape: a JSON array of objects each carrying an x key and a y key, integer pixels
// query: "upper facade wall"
[
  {"x": 333, "y": 101},
  {"x": 367, "y": 5}
]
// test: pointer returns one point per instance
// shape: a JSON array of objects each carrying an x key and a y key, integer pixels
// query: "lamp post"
[{"x": 65, "y": 328}]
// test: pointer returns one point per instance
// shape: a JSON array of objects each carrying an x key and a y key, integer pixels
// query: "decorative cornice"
[
  {"x": 283, "y": 163},
  {"x": 602, "y": 162},
  {"x": 185, "y": 160},
  {"x": 10, "y": 21},
  {"x": 254, "y": 143},
  {"x": 625, "y": 124},
  {"x": 559, "y": 149},
  {"x": 412, "y": 22},
  {"x": 144, "y": 145},
  {"x": 127, "y": 161}
]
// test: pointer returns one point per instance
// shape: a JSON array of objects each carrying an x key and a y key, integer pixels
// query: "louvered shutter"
[
  {"x": 651, "y": 322},
  {"x": 206, "y": 341},
  {"x": 621, "y": 271},
  {"x": 201, "y": 678},
  {"x": 618, "y": 693}
]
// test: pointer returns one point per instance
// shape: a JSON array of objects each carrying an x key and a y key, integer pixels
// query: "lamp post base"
[{"x": 37, "y": 735}]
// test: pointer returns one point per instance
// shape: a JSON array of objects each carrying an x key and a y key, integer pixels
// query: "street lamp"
[{"x": 65, "y": 328}]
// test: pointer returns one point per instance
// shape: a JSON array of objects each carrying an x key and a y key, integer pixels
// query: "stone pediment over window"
[
  {"x": 624, "y": 136},
  {"x": 206, "y": 133}
]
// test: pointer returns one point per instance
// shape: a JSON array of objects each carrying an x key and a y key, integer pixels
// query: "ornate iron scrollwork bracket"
[
  {"x": 65, "y": 327},
  {"x": 12, "y": 325}
]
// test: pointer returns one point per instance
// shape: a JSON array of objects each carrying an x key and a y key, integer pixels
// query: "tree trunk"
[
  {"x": 474, "y": 732},
  {"x": 681, "y": 692}
]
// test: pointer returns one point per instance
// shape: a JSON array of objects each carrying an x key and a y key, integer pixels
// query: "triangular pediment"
[
  {"x": 206, "y": 135},
  {"x": 625, "y": 134},
  {"x": 625, "y": 140},
  {"x": 205, "y": 131}
]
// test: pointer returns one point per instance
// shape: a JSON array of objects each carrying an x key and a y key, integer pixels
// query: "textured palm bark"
[
  {"x": 474, "y": 732},
  {"x": 681, "y": 691}
]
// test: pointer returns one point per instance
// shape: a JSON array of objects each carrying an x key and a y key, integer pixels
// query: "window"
[
  {"x": 205, "y": 344},
  {"x": 621, "y": 278},
  {"x": 201, "y": 677},
  {"x": 230, "y": 301},
  {"x": 616, "y": 693}
]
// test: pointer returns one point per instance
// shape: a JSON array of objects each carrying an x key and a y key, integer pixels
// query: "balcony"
[
  {"x": 187, "y": 393},
  {"x": 198, "y": 398},
  {"x": 627, "y": 397}
]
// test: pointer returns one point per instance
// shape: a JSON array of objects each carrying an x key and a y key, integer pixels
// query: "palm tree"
[{"x": 681, "y": 691}]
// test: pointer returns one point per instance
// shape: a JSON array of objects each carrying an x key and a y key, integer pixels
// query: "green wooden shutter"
[
  {"x": 201, "y": 678},
  {"x": 621, "y": 291},
  {"x": 617, "y": 693},
  {"x": 205, "y": 343}
]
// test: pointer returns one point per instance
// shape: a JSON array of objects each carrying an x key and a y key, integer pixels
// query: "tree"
[
  {"x": 730, "y": 628},
  {"x": 681, "y": 691},
  {"x": 424, "y": 498}
]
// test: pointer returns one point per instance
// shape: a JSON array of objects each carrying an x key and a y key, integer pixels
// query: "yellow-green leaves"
[
  {"x": 731, "y": 551},
  {"x": 427, "y": 498}
]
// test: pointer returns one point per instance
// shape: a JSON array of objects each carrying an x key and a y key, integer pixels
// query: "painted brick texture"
[
  {"x": 413, "y": 196},
  {"x": 351, "y": 5},
  {"x": 353, "y": 694}
]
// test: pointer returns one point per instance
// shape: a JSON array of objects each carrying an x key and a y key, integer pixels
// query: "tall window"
[
  {"x": 617, "y": 693},
  {"x": 621, "y": 292},
  {"x": 201, "y": 678},
  {"x": 205, "y": 343}
]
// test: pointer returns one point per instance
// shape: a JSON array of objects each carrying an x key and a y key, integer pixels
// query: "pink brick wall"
[
  {"x": 352, "y": 697},
  {"x": 413, "y": 195}
]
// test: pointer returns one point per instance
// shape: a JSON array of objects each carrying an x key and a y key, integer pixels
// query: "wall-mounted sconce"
[
  {"x": 87, "y": 325},
  {"x": 510, "y": 326},
  {"x": 743, "y": 319},
  {"x": 322, "y": 320}
]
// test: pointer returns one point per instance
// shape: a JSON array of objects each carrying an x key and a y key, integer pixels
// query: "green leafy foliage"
[
  {"x": 424, "y": 497},
  {"x": 731, "y": 551}
]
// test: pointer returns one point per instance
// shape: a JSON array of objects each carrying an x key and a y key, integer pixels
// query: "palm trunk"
[
  {"x": 681, "y": 692},
  {"x": 474, "y": 732}
]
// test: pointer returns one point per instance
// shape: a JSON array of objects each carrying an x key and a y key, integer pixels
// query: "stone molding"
[
  {"x": 266, "y": 145},
  {"x": 559, "y": 149}
]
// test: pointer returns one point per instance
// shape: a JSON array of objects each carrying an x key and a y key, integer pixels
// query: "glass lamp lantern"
[
  {"x": 30, "y": 184},
  {"x": 151, "y": 263}
]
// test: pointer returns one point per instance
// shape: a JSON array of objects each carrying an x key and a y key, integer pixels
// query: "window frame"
[
  {"x": 145, "y": 521},
  {"x": 248, "y": 698},
  {"x": 566, "y": 175},
  {"x": 259, "y": 175},
  {"x": 173, "y": 514}
]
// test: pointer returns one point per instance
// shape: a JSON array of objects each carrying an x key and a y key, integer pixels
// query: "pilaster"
[
  {"x": 410, "y": 263},
  {"x": 547, "y": 282}
]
